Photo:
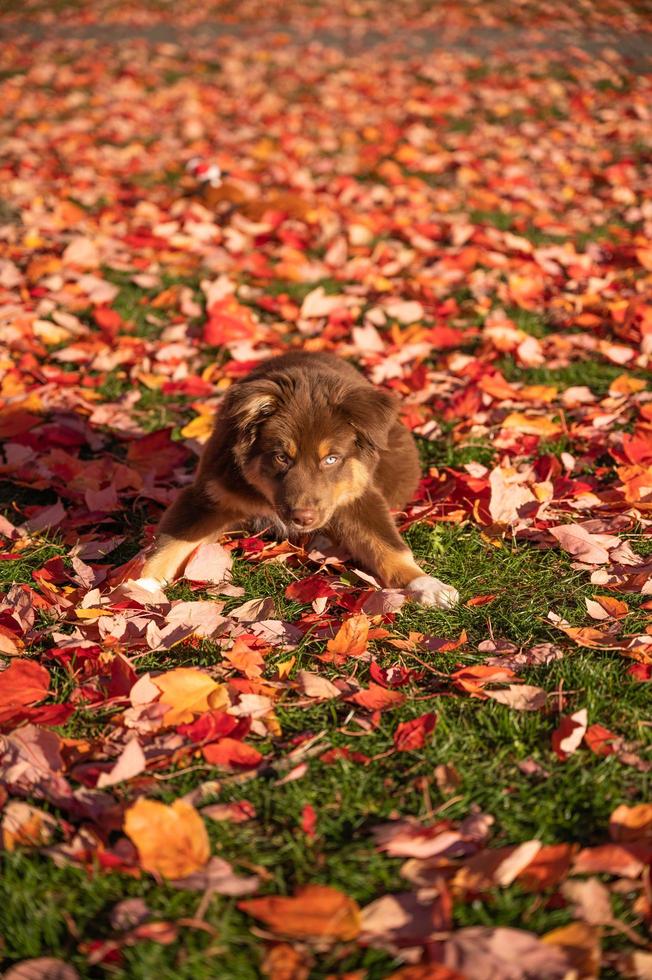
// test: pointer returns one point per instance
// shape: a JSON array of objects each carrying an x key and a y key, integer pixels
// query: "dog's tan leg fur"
[
  {"x": 368, "y": 532},
  {"x": 189, "y": 521}
]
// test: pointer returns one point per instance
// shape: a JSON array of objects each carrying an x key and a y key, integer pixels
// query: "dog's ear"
[
  {"x": 372, "y": 413},
  {"x": 250, "y": 402}
]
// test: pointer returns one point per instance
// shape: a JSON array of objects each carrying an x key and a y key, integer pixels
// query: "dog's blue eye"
[{"x": 329, "y": 460}]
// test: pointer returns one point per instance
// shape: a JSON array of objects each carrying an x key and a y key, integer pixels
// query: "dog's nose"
[{"x": 304, "y": 517}]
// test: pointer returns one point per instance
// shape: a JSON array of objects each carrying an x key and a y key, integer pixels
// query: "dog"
[{"x": 304, "y": 441}]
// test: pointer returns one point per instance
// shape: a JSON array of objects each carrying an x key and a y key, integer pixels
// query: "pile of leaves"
[{"x": 275, "y": 766}]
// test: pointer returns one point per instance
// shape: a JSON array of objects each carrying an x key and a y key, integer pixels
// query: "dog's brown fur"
[{"x": 306, "y": 442}]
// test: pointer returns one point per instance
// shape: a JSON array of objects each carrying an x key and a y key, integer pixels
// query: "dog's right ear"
[{"x": 250, "y": 402}]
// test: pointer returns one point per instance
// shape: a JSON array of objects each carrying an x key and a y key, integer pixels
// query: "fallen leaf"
[
  {"x": 209, "y": 563},
  {"x": 217, "y": 876},
  {"x": 411, "y": 735},
  {"x": 187, "y": 692},
  {"x": 590, "y": 901},
  {"x": 568, "y": 736},
  {"x": 23, "y": 682},
  {"x": 631, "y": 823},
  {"x": 581, "y": 944},
  {"x": 577, "y": 541},
  {"x": 316, "y": 686},
  {"x": 521, "y": 697},
  {"x": 484, "y": 953},
  {"x": 171, "y": 840},
  {"x": 25, "y": 826},
  {"x": 130, "y": 763},
  {"x": 351, "y": 638},
  {"x": 43, "y": 968},
  {"x": 314, "y": 912}
]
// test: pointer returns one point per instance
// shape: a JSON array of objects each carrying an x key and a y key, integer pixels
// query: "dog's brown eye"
[
  {"x": 282, "y": 459},
  {"x": 330, "y": 460}
]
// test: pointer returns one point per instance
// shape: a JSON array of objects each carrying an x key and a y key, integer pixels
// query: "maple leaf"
[
  {"x": 187, "y": 692},
  {"x": 24, "y": 682},
  {"x": 351, "y": 638},
  {"x": 171, "y": 840},
  {"x": 411, "y": 735}
]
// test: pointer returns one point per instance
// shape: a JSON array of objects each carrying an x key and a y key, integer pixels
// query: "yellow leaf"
[
  {"x": 351, "y": 638},
  {"x": 581, "y": 943},
  {"x": 151, "y": 381},
  {"x": 171, "y": 840},
  {"x": 538, "y": 393},
  {"x": 199, "y": 428},
  {"x": 283, "y": 669},
  {"x": 189, "y": 692},
  {"x": 624, "y": 384},
  {"x": 92, "y": 613},
  {"x": 532, "y": 425}
]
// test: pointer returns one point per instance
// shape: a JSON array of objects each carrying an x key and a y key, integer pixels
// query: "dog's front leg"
[
  {"x": 365, "y": 527},
  {"x": 190, "y": 520}
]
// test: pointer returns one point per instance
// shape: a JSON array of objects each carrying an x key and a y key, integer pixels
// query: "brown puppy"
[{"x": 306, "y": 443}]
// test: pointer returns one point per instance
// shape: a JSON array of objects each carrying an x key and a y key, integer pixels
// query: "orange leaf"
[
  {"x": 314, "y": 912},
  {"x": 377, "y": 698},
  {"x": 426, "y": 971},
  {"x": 23, "y": 682},
  {"x": 599, "y": 739},
  {"x": 245, "y": 659},
  {"x": 351, "y": 639},
  {"x": 548, "y": 867},
  {"x": 629, "y": 823},
  {"x": 284, "y": 962},
  {"x": 605, "y": 606},
  {"x": 171, "y": 840},
  {"x": 581, "y": 943},
  {"x": 188, "y": 692},
  {"x": 231, "y": 752},
  {"x": 481, "y": 600}
]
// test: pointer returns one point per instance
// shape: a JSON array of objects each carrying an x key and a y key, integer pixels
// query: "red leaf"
[
  {"x": 309, "y": 821},
  {"x": 599, "y": 740},
  {"x": 24, "y": 682},
  {"x": 232, "y": 753},
  {"x": 567, "y": 736},
  {"x": 411, "y": 735}
]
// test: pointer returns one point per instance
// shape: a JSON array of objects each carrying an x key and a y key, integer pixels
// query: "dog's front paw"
[{"x": 430, "y": 591}]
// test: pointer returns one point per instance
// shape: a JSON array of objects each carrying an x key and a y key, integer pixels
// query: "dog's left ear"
[
  {"x": 249, "y": 402},
  {"x": 372, "y": 413}
]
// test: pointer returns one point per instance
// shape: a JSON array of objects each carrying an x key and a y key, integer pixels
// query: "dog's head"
[{"x": 308, "y": 442}]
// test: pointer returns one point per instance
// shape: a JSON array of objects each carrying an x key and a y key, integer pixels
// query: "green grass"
[{"x": 484, "y": 741}]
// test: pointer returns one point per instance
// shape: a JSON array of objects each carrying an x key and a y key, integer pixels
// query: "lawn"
[{"x": 276, "y": 768}]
